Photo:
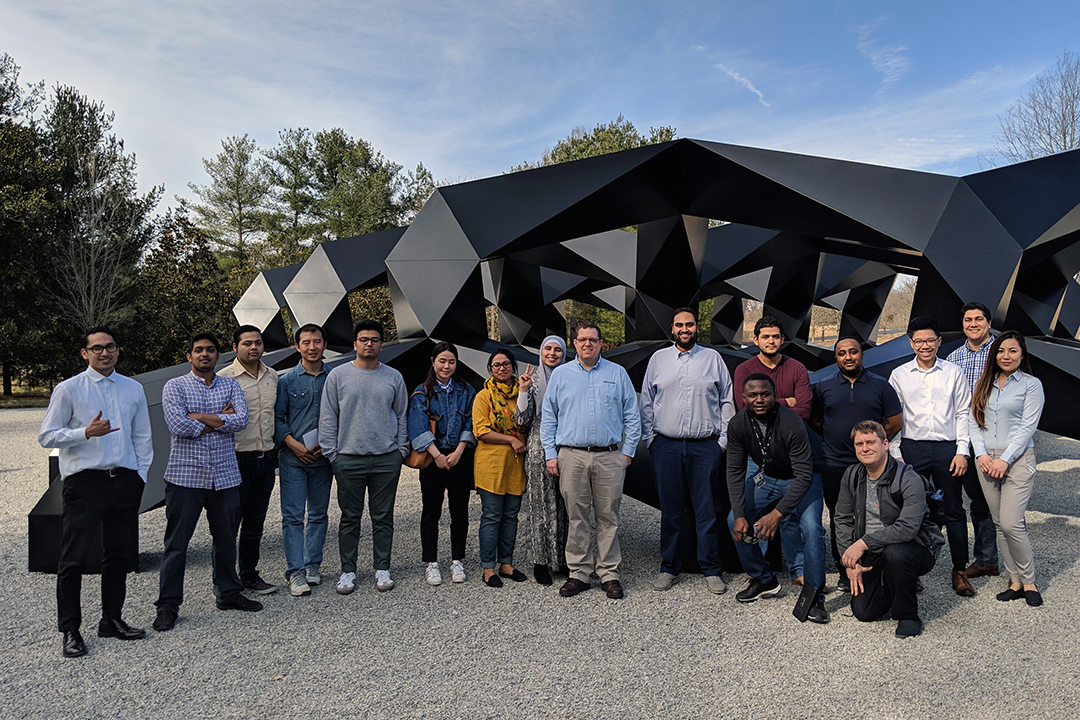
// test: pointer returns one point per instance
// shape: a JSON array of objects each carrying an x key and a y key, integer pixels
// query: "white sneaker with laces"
[
  {"x": 457, "y": 571},
  {"x": 346, "y": 583},
  {"x": 298, "y": 585},
  {"x": 433, "y": 574},
  {"x": 383, "y": 581}
]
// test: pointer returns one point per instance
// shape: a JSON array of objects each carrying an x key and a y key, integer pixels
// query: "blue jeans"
[
  {"x": 304, "y": 487},
  {"x": 683, "y": 471},
  {"x": 790, "y": 535},
  {"x": 498, "y": 528},
  {"x": 804, "y": 520}
]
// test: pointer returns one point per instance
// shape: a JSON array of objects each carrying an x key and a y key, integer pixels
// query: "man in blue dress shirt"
[
  {"x": 590, "y": 430},
  {"x": 99, "y": 421}
]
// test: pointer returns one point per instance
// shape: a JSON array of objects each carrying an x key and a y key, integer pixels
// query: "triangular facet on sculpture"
[{"x": 754, "y": 284}]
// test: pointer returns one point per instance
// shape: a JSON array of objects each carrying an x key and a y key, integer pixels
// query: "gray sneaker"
[
  {"x": 716, "y": 585},
  {"x": 664, "y": 581},
  {"x": 313, "y": 575},
  {"x": 298, "y": 585}
]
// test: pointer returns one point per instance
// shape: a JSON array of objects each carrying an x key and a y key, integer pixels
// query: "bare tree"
[{"x": 1046, "y": 119}]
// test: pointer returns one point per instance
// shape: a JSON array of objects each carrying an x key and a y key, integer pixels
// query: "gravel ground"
[{"x": 473, "y": 652}]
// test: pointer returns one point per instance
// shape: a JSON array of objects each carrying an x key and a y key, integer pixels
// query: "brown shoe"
[
  {"x": 613, "y": 588},
  {"x": 797, "y": 582},
  {"x": 961, "y": 584},
  {"x": 918, "y": 585},
  {"x": 572, "y": 587},
  {"x": 975, "y": 570}
]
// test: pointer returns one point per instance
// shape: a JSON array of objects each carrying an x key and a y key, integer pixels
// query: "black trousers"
[
  {"x": 889, "y": 586},
  {"x": 931, "y": 458},
  {"x": 457, "y": 484},
  {"x": 830, "y": 485},
  {"x": 183, "y": 507},
  {"x": 96, "y": 503}
]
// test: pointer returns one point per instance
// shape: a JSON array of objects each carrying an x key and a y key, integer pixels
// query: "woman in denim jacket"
[{"x": 449, "y": 403}]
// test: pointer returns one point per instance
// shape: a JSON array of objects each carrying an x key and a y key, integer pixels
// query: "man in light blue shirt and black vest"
[{"x": 589, "y": 430}]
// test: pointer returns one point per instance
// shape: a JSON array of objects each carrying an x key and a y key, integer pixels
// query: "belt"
[
  {"x": 254, "y": 454},
  {"x": 714, "y": 437},
  {"x": 108, "y": 472},
  {"x": 594, "y": 448}
]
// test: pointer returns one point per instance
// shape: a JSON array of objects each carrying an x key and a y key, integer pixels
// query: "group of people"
[{"x": 563, "y": 433}]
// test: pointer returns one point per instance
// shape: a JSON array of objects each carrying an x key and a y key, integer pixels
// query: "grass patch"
[{"x": 20, "y": 400}]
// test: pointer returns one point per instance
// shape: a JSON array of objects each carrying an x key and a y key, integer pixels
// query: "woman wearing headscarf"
[
  {"x": 499, "y": 469},
  {"x": 546, "y": 522},
  {"x": 1005, "y": 411}
]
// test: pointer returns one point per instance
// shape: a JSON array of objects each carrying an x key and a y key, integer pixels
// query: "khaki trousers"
[
  {"x": 592, "y": 480},
  {"x": 1008, "y": 502}
]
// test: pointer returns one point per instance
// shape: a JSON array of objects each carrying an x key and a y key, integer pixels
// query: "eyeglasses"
[
  {"x": 501, "y": 365},
  {"x": 369, "y": 340},
  {"x": 925, "y": 343},
  {"x": 98, "y": 349},
  {"x": 587, "y": 341}
]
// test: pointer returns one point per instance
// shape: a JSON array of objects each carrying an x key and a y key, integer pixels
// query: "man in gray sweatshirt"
[{"x": 363, "y": 433}]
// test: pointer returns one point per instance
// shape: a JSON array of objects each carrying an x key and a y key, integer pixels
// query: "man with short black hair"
[
  {"x": 99, "y": 421},
  {"x": 686, "y": 403},
  {"x": 971, "y": 358},
  {"x": 306, "y": 476},
  {"x": 256, "y": 455},
  {"x": 363, "y": 432},
  {"x": 885, "y": 532},
  {"x": 203, "y": 412},
  {"x": 775, "y": 438},
  {"x": 590, "y": 429},
  {"x": 935, "y": 441}
]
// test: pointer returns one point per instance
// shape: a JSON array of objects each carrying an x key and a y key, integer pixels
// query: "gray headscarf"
[{"x": 543, "y": 374}]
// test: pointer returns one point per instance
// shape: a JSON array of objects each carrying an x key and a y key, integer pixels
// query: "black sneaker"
[
  {"x": 165, "y": 620},
  {"x": 844, "y": 584},
  {"x": 259, "y": 586},
  {"x": 757, "y": 589},
  {"x": 240, "y": 603},
  {"x": 909, "y": 628},
  {"x": 818, "y": 614}
]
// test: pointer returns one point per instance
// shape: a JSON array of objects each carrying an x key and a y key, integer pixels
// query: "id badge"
[{"x": 759, "y": 478}]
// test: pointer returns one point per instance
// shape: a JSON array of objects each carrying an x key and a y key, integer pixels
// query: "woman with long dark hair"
[
  {"x": 546, "y": 522},
  {"x": 499, "y": 468},
  {"x": 449, "y": 403},
  {"x": 1005, "y": 411}
]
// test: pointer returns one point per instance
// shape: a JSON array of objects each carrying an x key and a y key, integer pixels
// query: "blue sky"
[{"x": 472, "y": 88}]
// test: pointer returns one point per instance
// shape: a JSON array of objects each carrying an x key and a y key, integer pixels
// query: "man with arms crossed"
[
  {"x": 686, "y": 404},
  {"x": 935, "y": 441},
  {"x": 99, "y": 421},
  {"x": 971, "y": 358},
  {"x": 255, "y": 453},
  {"x": 363, "y": 432},
  {"x": 203, "y": 412},
  {"x": 306, "y": 476},
  {"x": 590, "y": 431},
  {"x": 885, "y": 532}
]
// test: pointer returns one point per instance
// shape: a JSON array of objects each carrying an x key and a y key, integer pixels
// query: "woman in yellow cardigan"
[{"x": 499, "y": 469}]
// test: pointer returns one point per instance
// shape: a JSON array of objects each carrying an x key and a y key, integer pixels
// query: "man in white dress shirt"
[{"x": 937, "y": 402}]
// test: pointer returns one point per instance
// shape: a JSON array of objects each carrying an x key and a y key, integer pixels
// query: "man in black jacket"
[
  {"x": 884, "y": 531},
  {"x": 782, "y": 491}
]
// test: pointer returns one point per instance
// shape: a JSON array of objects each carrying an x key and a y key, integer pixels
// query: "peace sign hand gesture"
[{"x": 525, "y": 379}]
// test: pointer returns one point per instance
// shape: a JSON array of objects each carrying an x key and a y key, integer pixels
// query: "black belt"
[
  {"x": 110, "y": 472},
  {"x": 714, "y": 437},
  {"x": 594, "y": 448},
  {"x": 254, "y": 454}
]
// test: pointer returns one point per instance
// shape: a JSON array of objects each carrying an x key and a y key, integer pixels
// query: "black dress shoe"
[
  {"x": 165, "y": 620},
  {"x": 1011, "y": 594},
  {"x": 818, "y": 614},
  {"x": 493, "y": 581},
  {"x": 73, "y": 644},
  {"x": 1033, "y": 598},
  {"x": 240, "y": 603},
  {"x": 516, "y": 576},
  {"x": 542, "y": 574},
  {"x": 613, "y": 589},
  {"x": 119, "y": 629}
]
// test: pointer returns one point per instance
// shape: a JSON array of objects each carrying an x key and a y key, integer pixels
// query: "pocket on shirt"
[{"x": 298, "y": 394}]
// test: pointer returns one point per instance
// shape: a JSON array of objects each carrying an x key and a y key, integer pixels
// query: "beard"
[
  {"x": 851, "y": 373},
  {"x": 689, "y": 343}
]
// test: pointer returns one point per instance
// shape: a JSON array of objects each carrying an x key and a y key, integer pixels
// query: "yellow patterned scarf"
[{"x": 502, "y": 398}]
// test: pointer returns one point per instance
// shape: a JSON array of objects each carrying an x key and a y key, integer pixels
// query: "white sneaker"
[
  {"x": 433, "y": 575},
  {"x": 383, "y": 581},
  {"x": 457, "y": 571},
  {"x": 346, "y": 583},
  {"x": 298, "y": 585}
]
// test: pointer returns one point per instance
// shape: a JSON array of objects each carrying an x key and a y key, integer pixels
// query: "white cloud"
[
  {"x": 888, "y": 60},
  {"x": 745, "y": 82}
]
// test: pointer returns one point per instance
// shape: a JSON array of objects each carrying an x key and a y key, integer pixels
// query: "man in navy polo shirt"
[{"x": 840, "y": 401}]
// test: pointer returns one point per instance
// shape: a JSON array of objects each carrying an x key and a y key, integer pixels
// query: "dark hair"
[
  {"x": 684, "y": 309},
  {"x": 584, "y": 325},
  {"x": 429, "y": 381},
  {"x": 204, "y": 336},
  {"x": 238, "y": 333},
  {"x": 842, "y": 338},
  {"x": 93, "y": 331},
  {"x": 760, "y": 377},
  {"x": 310, "y": 327},
  {"x": 367, "y": 324},
  {"x": 768, "y": 321},
  {"x": 990, "y": 373},
  {"x": 975, "y": 306},
  {"x": 869, "y": 426},
  {"x": 922, "y": 323},
  {"x": 503, "y": 351}
]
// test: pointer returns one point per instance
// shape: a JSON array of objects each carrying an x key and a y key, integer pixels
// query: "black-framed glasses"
[
  {"x": 925, "y": 343},
  {"x": 369, "y": 340},
  {"x": 587, "y": 340},
  {"x": 501, "y": 366},
  {"x": 98, "y": 349}
]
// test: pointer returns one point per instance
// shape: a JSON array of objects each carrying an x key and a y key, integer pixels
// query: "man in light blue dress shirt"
[
  {"x": 589, "y": 430},
  {"x": 99, "y": 421}
]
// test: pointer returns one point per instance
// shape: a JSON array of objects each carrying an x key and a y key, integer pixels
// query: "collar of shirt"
[
  {"x": 445, "y": 387},
  {"x": 577, "y": 361},
  {"x": 843, "y": 379},
  {"x": 322, "y": 369},
  {"x": 198, "y": 379},
  {"x": 239, "y": 368},
  {"x": 98, "y": 377},
  {"x": 916, "y": 367}
]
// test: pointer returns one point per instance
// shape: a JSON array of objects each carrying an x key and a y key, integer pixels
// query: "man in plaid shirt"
[{"x": 203, "y": 412}]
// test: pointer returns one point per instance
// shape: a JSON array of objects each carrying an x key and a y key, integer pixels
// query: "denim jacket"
[
  {"x": 453, "y": 412},
  {"x": 297, "y": 410}
]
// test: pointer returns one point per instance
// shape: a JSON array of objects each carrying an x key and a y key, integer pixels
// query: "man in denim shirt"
[{"x": 305, "y": 474}]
